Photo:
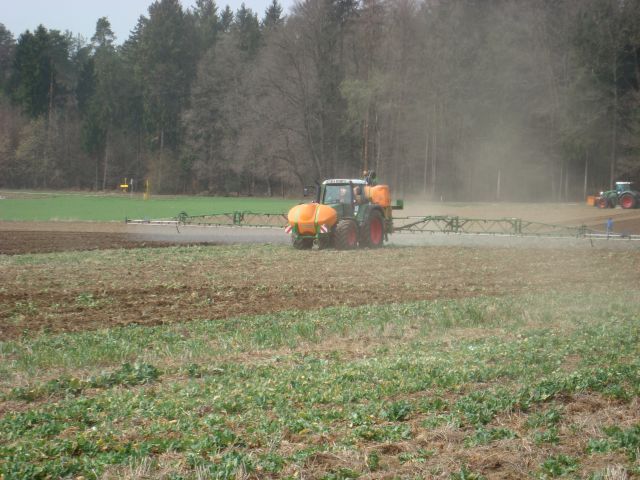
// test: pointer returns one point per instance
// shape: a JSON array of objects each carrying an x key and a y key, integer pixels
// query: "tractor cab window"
[
  {"x": 622, "y": 187},
  {"x": 337, "y": 194}
]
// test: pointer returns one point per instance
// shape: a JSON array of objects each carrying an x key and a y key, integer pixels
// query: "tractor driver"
[
  {"x": 357, "y": 195},
  {"x": 344, "y": 198},
  {"x": 337, "y": 194}
]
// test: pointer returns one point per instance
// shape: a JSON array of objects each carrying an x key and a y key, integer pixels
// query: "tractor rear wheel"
[
  {"x": 372, "y": 232},
  {"x": 346, "y": 235},
  {"x": 627, "y": 200},
  {"x": 300, "y": 243}
]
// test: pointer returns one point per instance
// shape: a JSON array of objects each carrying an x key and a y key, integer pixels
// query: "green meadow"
[{"x": 34, "y": 206}]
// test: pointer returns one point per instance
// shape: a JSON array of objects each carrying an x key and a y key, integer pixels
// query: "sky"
[{"x": 80, "y": 16}]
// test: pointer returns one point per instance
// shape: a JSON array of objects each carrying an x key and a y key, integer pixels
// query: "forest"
[{"x": 455, "y": 100}]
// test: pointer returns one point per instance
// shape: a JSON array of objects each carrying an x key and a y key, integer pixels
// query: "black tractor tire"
[
  {"x": 627, "y": 200},
  {"x": 300, "y": 243},
  {"x": 345, "y": 236},
  {"x": 324, "y": 243},
  {"x": 372, "y": 230},
  {"x": 604, "y": 202}
]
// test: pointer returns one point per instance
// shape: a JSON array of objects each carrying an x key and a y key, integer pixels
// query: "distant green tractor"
[
  {"x": 346, "y": 213},
  {"x": 623, "y": 195}
]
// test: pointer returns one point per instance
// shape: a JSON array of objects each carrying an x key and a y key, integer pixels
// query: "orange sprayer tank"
[
  {"x": 308, "y": 215},
  {"x": 379, "y": 195}
]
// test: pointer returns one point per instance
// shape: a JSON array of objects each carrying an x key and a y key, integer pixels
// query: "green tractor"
[
  {"x": 623, "y": 195},
  {"x": 346, "y": 213}
]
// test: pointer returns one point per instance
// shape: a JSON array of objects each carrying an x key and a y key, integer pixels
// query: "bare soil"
[
  {"x": 63, "y": 296},
  {"x": 15, "y": 242},
  {"x": 118, "y": 288}
]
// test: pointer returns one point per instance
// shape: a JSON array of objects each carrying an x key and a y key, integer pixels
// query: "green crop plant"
[
  {"x": 397, "y": 411},
  {"x": 137, "y": 374},
  {"x": 465, "y": 474},
  {"x": 547, "y": 418},
  {"x": 341, "y": 474},
  {"x": 546, "y": 436},
  {"x": 421, "y": 455},
  {"x": 373, "y": 461},
  {"x": 271, "y": 395},
  {"x": 558, "y": 465},
  {"x": 483, "y": 436},
  {"x": 625, "y": 439},
  {"x": 87, "y": 300}
]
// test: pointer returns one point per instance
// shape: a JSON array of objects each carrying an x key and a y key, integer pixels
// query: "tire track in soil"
[
  {"x": 17, "y": 242},
  {"x": 35, "y": 303}
]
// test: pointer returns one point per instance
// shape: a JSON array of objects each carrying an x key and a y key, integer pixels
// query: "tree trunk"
[
  {"x": 317, "y": 162},
  {"x": 377, "y": 129},
  {"x": 614, "y": 130},
  {"x": 434, "y": 156},
  {"x": 106, "y": 160},
  {"x": 365, "y": 144},
  {"x": 559, "y": 199},
  {"x": 586, "y": 175},
  {"x": 47, "y": 138},
  {"x": 95, "y": 187},
  {"x": 637, "y": 66},
  {"x": 393, "y": 156},
  {"x": 159, "y": 181},
  {"x": 426, "y": 160},
  {"x": 139, "y": 157}
]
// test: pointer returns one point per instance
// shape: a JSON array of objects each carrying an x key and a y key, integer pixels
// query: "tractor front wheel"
[
  {"x": 300, "y": 243},
  {"x": 346, "y": 235},
  {"x": 627, "y": 201},
  {"x": 603, "y": 202},
  {"x": 372, "y": 233}
]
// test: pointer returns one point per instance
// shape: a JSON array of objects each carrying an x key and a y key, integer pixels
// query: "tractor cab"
[
  {"x": 622, "y": 187},
  {"x": 342, "y": 195}
]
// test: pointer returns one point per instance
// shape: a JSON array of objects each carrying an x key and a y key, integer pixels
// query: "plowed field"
[
  {"x": 485, "y": 359},
  {"x": 49, "y": 299},
  {"x": 83, "y": 291}
]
